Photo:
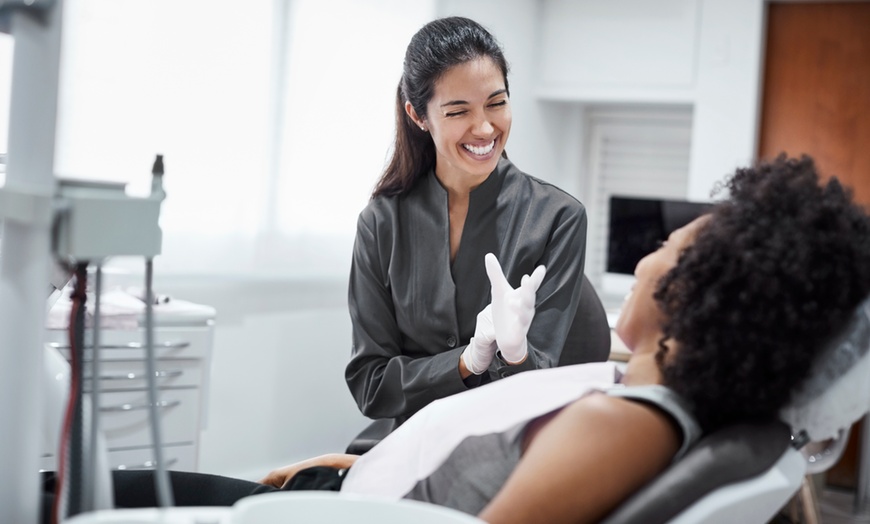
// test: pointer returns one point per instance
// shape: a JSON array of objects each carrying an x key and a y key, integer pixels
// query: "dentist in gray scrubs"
[{"x": 419, "y": 293}]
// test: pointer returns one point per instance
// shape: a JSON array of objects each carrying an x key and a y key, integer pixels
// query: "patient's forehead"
[{"x": 685, "y": 235}]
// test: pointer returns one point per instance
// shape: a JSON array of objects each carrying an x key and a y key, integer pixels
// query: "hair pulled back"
[{"x": 433, "y": 50}]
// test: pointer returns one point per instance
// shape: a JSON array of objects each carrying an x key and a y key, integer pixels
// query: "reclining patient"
[{"x": 724, "y": 322}]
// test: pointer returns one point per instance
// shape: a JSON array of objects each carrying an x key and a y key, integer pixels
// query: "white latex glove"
[
  {"x": 480, "y": 351},
  {"x": 512, "y": 309}
]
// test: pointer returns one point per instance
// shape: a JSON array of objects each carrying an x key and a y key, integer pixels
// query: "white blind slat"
[{"x": 636, "y": 153}]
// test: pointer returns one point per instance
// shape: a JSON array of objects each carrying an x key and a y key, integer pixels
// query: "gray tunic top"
[
  {"x": 479, "y": 466},
  {"x": 413, "y": 312}
]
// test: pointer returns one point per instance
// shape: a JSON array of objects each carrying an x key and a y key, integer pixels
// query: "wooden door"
[
  {"x": 816, "y": 97},
  {"x": 816, "y": 101}
]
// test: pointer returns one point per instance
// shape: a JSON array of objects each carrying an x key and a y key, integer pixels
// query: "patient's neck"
[{"x": 642, "y": 368}]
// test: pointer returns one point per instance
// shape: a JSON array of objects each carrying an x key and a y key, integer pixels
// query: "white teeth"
[{"x": 480, "y": 150}]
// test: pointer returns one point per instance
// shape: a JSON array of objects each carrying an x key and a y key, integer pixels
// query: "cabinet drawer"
[
  {"x": 131, "y": 374},
  {"x": 169, "y": 342},
  {"x": 178, "y": 458},
  {"x": 124, "y": 417}
]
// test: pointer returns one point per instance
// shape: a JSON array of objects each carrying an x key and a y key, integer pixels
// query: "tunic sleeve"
[{"x": 385, "y": 379}]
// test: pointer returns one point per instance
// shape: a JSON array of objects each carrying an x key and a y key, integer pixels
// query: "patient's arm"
[
  {"x": 586, "y": 460},
  {"x": 279, "y": 477}
]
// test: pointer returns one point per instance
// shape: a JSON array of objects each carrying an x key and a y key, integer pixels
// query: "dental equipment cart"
[{"x": 183, "y": 340}]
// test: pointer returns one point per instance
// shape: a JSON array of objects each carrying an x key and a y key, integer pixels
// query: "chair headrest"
[{"x": 837, "y": 391}]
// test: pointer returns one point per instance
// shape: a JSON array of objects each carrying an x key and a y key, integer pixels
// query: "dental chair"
[{"x": 747, "y": 473}]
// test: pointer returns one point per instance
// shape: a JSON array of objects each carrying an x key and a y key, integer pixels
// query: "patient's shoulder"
[
  {"x": 677, "y": 410},
  {"x": 614, "y": 425},
  {"x": 590, "y": 456},
  {"x": 604, "y": 409}
]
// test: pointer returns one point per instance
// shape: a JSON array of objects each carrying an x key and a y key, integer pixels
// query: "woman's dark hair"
[
  {"x": 774, "y": 274},
  {"x": 435, "y": 48}
]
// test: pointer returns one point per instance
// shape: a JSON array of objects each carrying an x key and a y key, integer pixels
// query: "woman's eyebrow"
[{"x": 463, "y": 102}]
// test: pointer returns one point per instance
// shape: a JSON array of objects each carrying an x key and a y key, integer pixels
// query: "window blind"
[{"x": 639, "y": 152}]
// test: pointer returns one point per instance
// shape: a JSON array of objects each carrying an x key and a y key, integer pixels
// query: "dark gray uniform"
[{"x": 413, "y": 312}]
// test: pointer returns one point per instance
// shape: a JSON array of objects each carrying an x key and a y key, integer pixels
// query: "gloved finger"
[
  {"x": 484, "y": 326},
  {"x": 495, "y": 273},
  {"x": 533, "y": 282},
  {"x": 525, "y": 299}
]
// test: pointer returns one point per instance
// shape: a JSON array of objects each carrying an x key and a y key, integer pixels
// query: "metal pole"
[{"x": 24, "y": 267}]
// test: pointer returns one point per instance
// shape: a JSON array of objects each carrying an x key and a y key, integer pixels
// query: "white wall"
[
  {"x": 727, "y": 91},
  {"x": 569, "y": 54}
]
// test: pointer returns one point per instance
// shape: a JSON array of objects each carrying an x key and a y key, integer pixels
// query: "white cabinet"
[
  {"x": 183, "y": 359},
  {"x": 620, "y": 50}
]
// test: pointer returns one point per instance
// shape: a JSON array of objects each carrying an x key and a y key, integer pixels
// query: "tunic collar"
[{"x": 487, "y": 191}]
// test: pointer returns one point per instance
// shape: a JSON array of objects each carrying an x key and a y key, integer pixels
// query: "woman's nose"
[{"x": 483, "y": 127}]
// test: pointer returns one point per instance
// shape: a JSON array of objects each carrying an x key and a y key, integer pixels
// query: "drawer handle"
[
  {"x": 148, "y": 464},
  {"x": 141, "y": 376},
  {"x": 133, "y": 407},
  {"x": 170, "y": 344}
]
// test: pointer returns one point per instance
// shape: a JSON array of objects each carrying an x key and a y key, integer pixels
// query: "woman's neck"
[{"x": 458, "y": 185}]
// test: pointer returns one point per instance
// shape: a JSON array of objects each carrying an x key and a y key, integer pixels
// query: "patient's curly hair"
[{"x": 775, "y": 273}]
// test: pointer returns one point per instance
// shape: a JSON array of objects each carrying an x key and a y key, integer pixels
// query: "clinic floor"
[{"x": 837, "y": 508}]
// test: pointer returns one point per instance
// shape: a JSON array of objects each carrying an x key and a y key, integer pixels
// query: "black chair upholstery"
[
  {"x": 729, "y": 455},
  {"x": 371, "y": 435},
  {"x": 589, "y": 338}
]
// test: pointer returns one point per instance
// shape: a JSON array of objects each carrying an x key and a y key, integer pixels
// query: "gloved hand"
[
  {"x": 480, "y": 351},
  {"x": 512, "y": 309}
]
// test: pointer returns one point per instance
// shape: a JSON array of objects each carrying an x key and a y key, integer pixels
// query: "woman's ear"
[{"x": 409, "y": 109}]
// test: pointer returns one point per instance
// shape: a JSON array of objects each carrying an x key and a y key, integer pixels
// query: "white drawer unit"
[
  {"x": 183, "y": 356},
  {"x": 124, "y": 417},
  {"x": 181, "y": 458},
  {"x": 122, "y": 375},
  {"x": 169, "y": 342}
]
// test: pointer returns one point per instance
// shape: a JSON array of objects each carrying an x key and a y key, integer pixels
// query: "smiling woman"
[
  {"x": 469, "y": 119},
  {"x": 469, "y": 128},
  {"x": 419, "y": 294}
]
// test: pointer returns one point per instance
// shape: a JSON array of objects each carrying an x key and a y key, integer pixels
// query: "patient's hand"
[{"x": 279, "y": 477}]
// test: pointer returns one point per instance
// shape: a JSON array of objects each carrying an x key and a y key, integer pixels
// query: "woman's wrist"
[
  {"x": 464, "y": 372},
  {"x": 509, "y": 362}
]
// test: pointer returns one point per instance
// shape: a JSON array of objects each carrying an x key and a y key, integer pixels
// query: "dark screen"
[{"x": 638, "y": 225}]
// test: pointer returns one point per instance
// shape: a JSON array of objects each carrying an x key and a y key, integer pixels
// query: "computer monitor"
[{"x": 636, "y": 227}]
